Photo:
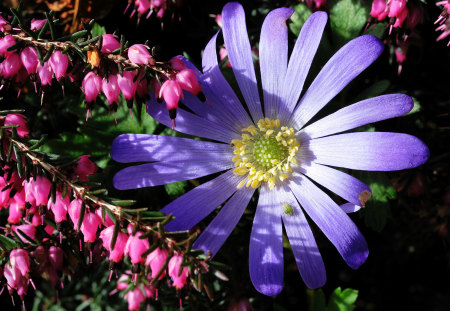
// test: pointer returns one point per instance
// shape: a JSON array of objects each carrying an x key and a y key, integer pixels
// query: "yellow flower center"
[{"x": 265, "y": 153}]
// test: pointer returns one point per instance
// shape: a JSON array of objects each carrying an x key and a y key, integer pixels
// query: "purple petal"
[
  {"x": 345, "y": 65},
  {"x": 240, "y": 56},
  {"x": 191, "y": 124},
  {"x": 213, "y": 237},
  {"x": 332, "y": 220},
  {"x": 350, "y": 208},
  {"x": 362, "y": 113},
  {"x": 370, "y": 151},
  {"x": 344, "y": 185},
  {"x": 273, "y": 54},
  {"x": 266, "y": 244},
  {"x": 128, "y": 148},
  {"x": 300, "y": 61},
  {"x": 307, "y": 255},
  {"x": 198, "y": 203},
  {"x": 161, "y": 173},
  {"x": 217, "y": 89}
]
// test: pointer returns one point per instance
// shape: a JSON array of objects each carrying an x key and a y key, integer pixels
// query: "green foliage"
[
  {"x": 340, "y": 300},
  {"x": 175, "y": 189},
  {"x": 347, "y": 19},
  {"x": 98, "y": 30},
  {"x": 301, "y": 14},
  {"x": 7, "y": 243}
]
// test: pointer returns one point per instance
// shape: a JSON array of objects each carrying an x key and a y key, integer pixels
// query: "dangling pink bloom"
[
  {"x": 18, "y": 119},
  {"x": 400, "y": 55},
  {"x": 156, "y": 260},
  {"x": 45, "y": 73},
  {"x": 139, "y": 55},
  {"x": 6, "y": 42},
  {"x": 135, "y": 297},
  {"x": 84, "y": 168},
  {"x": 179, "y": 279},
  {"x": 37, "y": 24},
  {"x": 56, "y": 257},
  {"x": 127, "y": 85},
  {"x": 37, "y": 191},
  {"x": 401, "y": 18},
  {"x": 143, "y": 7},
  {"x": 188, "y": 81},
  {"x": 177, "y": 63},
  {"x": 4, "y": 25},
  {"x": 135, "y": 247},
  {"x": 74, "y": 212},
  {"x": 396, "y": 7},
  {"x": 37, "y": 221},
  {"x": 91, "y": 222},
  {"x": 59, "y": 208},
  {"x": 17, "y": 204},
  {"x": 59, "y": 63},
  {"x": 108, "y": 221},
  {"x": 91, "y": 86},
  {"x": 171, "y": 92},
  {"x": 29, "y": 230},
  {"x": 379, "y": 9},
  {"x": 119, "y": 248},
  {"x": 15, "y": 279},
  {"x": 11, "y": 65},
  {"x": 4, "y": 195},
  {"x": 123, "y": 282},
  {"x": 110, "y": 43},
  {"x": 111, "y": 89},
  {"x": 20, "y": 260}
]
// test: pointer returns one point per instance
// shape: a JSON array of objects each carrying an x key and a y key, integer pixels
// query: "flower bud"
[
  {"x": 177, "y": 63},
  {"x": 135, "y": 297},
  {"x": 91, "y": 86},
  {"x": 11, "y": 65},
  {"x": 135, "y": 247},
  {"x": 29, "y": 230},
  {"x": 45, "y": 73},
  {"x": 91, "y": 222},
  {"x": 59, "y": 208},
  {"x": 139, "y": 54},
  {"x": 6, "y": 42},
  {"x": 119, "y": 248},
  {"x": 18, "y": 119},
  {"x": 56, "y": 257},
  {"x": 188, "y": 81},
  {"x": 37, "y": 24},
  {"x": 156, "y": 260},
  {"x": 4, "y": 25},
  {"x": 84, "y": 168},
  {"x": 19, "y": 259},
  {"x": 59, "y": 63},
  {"x": 171, "y": 92},
  {"x": 111, "y": 89},
  {"x": 109, "y": 43},
  {"x": 127, "y": 85},
  {"x": 74, "y": 212},
  {"x": 179, "y": 279}
]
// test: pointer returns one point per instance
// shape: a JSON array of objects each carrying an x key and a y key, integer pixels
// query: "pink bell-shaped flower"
[
  {"x": 171, "y": 92},
  {"x": 37, "y": 191},
  {"x": 91, "y": 222},
  {"x": 17, "y": 204},
  {"x": 135, "y": 247},
  {"x": 37, "y": 24},
  {"x": 135, "y": 297},
  {"x": 59, "y": 63},
  {"x": 18, "y": 119},
  {"x": 29, "y": 230},
  {"x": 4, "y": 25},
  {"x": 74, "y": 212},
  {"x": 396, "y": 7},
  {"x": 15, "y": 279},
  {"x": 188, "y": 81},
  {"x": 143, "y": 6},
  {"x": 11, "y": 65},
  {"x": 139, "y": 55},
  {"x": 177, "y": 63},
  {"x": 156, "y": 260},
  {"x": 107, "y": 222},
  {"x": 110, "y": 43},
  {"x": 119, "y": 248},
  {"x": 91, "y": 86},
  {"x": 379, "y": 9},
  {"x": 19, "y": 259},
  {"x": 6, "y": 42},
  {"x": 45, "y": 73},
  {"x": 179, "y": 279},
  {"x": 4, "y": 195},
  {"x": 84, "y": 168},
  {"x": 56, "y": 257},
  {"x": 59, "y": 208},
  {"x": 111, "y": 89},
  {"x": 127, "y": 85}
]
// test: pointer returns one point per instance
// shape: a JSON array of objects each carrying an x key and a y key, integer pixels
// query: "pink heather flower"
[
  {"x": 56, "y": 257},
  {"x": 37, "y": 221},
  {"x": 11, "y": 65},
  {"x": 91, "y": 222},
  {"x": 6, "y": 42},
  {"x": 401, "y": 18},
  {"x": 177, "y": 63},
  {"x": 4, "y": 195},
  {"x": 143, "y": 6},
  {"x": 74, "y": 212},
  {"x": 111, "y": 89},
  {"x": 15, "y": 279},
  {"x": 123, "y": 282},
  {"x": 4, "y": 25},
  {"x": 218, "y": 20},
  {"x": 20, "y": 260},
  {"x": 45, "y": 73},
  {"x": 179, "y": 279},
  {"x": 156, "y": 260},
  {"x": 37, "y": 24},
  {"x": 135, "y": 297},
  {"x": 171, "y": 92},
  {"x": 18, "y": 119},
  {"x": 188, "y": 81},
  {"x": 91, "y": 86},
  {"x": 108, "y": 221},
  {"x": 29, "y": 230},
  {"x": 59, "y": 208},
  {"x": 84, "y": 168},
  {"x": 37, "y": 191},
  {"x": 135, "y": 247},
  {"x": 59, "y": 63},
  {"x": 396, "y": 7},
  {"x": 127, "y": 85},
  {"x": 16, "y": 205},
  {"x": 119, "y": 248},
  {"x": 379, "y": 9},
  {"x": 139, "y": 54},
  {"x": 110, "y": 43}
]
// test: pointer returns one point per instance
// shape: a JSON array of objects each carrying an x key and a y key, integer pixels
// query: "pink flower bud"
[
  {"x": 56, "y": 257},
  {"x": 108, "y": 221},
  {"x": 37, "y": 191},
  {"x": 123, "y": 282},
  {"x": 91, "y": 222},
  {"x": 15, "y": 212},
  {"x": 74, "y": 212},
  {"x": 18, "y": 119},
  {"x": 119, "y": 248},
  {"x": 139, "y": 54},
  {"x": 401, "y": 18},
  {"x": 156, "y": 260},
  {"x": 4, "y": 195},
  {"x": 6, "y": 42},
  {"x": 379, "y": 10},
  {"x": 127, "y": 85},
  {"x": 187, "y": 79},
  {"x": 179, "y": 279},
  {"x": 91, "y": 86},
  {"x": 84, "y": 168},
  {"x": 37, "y": 24},
  {"x": 4, "y": 25},
  {"x": 143, "y": 6},
  {"x": 396, "y": 7},
  {"x": 135, "y": 247},
  {"x": 37, "y": 221},
  {"x": 59, "y": 208},
  {"x": 177, "y": 63},
  {"x": 110, "y": 43},
  {"x": 11, "y": 65},
  {"x": 59, "y": 63},
  {"x": 111, "y": 89},
  {"x": 29, "y": 230},
  {"x": 171, "y": 92},
  {"x": 15, "y": 279},
  {"x": 400, "y": 55},
  {"x": 45, "y": 73},
  {"x": 135, "y": 297},
  {"x": 19, "y": 259}
]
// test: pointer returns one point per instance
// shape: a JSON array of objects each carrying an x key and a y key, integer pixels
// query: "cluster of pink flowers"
[
  {"x": 443, "y": 21},
  {"x": 147, "y": 8}
]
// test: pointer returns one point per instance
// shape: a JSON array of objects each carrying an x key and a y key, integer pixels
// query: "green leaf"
[
  {"x": 175, "y": 189},
  {"x": 343, "y": 300},
  {"x": 347, "y": 19},
  {"x": 416, "y": 108},
  {"x": 301, "y": 14},
  {"x": 7, "y": 243},
  {"x": 98, "y": 30}
]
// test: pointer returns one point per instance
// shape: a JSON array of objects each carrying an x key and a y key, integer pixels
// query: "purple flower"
[{"x": 275, "y": 149}]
